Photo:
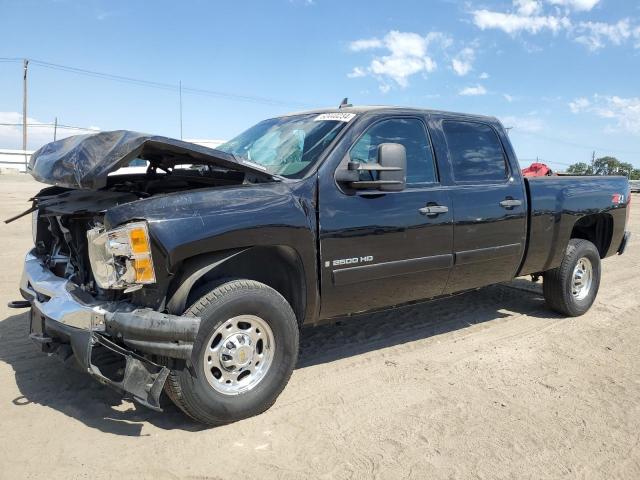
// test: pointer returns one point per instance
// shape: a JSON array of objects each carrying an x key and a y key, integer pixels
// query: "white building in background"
[
  {"x": 17, "y": 159},
  {"x": 14, "y": 159}
]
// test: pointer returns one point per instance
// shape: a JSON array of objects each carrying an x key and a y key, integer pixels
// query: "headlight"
[{"x": 121, "y": 258}]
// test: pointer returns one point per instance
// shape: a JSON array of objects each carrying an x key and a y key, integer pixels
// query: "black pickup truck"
[{"x": 195, "y": 276}]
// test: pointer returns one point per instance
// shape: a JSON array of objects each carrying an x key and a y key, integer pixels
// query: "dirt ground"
[{"x": 489, "y": 384}]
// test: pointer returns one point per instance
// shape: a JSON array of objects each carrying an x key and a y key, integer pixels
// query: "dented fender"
[{"x": 221, "y": 222}]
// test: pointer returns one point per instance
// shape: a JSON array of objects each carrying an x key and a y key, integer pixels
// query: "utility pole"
[
  {"x": 24, "y": 113},
  {"x": 55, "y": 128},
  {"x": 593, "y": 162},
  {"x": 180, "y": 93}
]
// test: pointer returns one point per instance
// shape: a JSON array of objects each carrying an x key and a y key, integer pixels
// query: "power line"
[
  {"x": 106, "y": 76},
  {"x": 542, "y": 160},
  {"x": 159, "y": 85},
  {"x": 577, "y": 145},
  {"x": 25, "y": 119},
  {"x": 52, "y": 125},
  {"x": 180, "y": 86}
]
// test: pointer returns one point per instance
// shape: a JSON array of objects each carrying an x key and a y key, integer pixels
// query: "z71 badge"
[
  {"x": 617, "y": 198},
  {"x": 348, "y": 261}
]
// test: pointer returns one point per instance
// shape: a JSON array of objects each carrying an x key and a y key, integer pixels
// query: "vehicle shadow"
[
  {"x": 362, "y": 333},
  {"x": 65, "y": 388}
]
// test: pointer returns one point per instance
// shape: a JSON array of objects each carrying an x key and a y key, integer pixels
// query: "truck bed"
[{"x": 557, "y": 203}]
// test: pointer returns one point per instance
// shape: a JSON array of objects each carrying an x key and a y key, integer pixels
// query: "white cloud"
[
  {"x": 596, "y": 35},
  {"x": 365, "y": 44},
  {"x": 527, "y": 7},
  {"x": 473, "y": 91},
  {"x": 484, "y": 76},
  {"x": 625, "y": 111},
  {"x": 401, "y": 68},
  {"x": 37, "y": 135},
  {"x": 529, "y": 16},
  {"x": 507, "y": 97},
  {"x": 513, "y": 23},
  {"x": 579, "y": 104},
  {"x": 406, "y": 44},
  {"x": 306, "y": 3},
  {"x": 523, "y": 124},
  {"x": 406, "y": 55},
  {"x": 357, "y": 72},
  {"x": 577, "y": 5},
  {"x": 462, "y": 63}
]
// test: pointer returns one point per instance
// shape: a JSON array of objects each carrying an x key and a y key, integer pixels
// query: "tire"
[
  {"x": 558, "y": 285},
  {"x": 226, "y": 311}
]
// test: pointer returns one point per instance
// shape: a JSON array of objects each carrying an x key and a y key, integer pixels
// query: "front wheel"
[
  {"x": 572, "y": 287},
  {"x": 243, "y": 356}
]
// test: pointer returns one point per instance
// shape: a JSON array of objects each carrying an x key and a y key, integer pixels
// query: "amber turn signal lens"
[
  {"x": 139, "y": 240},
  {"x": 144, "y": 270}
]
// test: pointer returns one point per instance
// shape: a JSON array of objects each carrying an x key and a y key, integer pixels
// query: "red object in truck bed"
[{"x": 537, "y": 170}]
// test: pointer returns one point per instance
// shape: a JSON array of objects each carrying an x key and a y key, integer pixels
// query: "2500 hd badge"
[{"x": 348, "y": 261}]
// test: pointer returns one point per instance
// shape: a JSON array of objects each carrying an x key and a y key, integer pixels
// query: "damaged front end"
[
  {"x": 112, "y": 340},
  {"x": 96, "y": 291}
]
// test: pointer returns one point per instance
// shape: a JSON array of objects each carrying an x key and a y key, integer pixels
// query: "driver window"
[{"x": 409, "y": 132}]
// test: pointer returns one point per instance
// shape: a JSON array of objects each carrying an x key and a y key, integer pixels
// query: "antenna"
[{"x": 344, "y": 103}]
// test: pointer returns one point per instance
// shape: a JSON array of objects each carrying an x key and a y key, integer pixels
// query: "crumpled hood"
[{"x": 85, "y": 161}]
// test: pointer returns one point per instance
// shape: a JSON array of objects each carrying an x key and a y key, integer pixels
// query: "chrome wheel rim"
[
  {"x": 238, "y": 354},
  {"x": 582, "y": 278}
]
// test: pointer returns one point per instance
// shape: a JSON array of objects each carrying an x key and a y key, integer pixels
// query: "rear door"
[
  {"x": 489, "y": 203},
  {"x": 377, "y": 248}
]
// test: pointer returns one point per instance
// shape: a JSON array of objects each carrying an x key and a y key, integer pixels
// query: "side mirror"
[{"x": 391, "y": 169}]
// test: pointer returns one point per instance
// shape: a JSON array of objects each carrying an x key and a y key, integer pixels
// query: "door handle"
[
  {"x": 433, "y": 210},
  {"x": 510, "y": 203}
]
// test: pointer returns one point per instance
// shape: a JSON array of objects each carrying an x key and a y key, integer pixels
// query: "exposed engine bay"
[
  {"x": 88, "y": 177},
  {"x": 64, "y": 218}
]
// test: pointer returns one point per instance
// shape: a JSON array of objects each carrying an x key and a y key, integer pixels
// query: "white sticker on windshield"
[{"x": 336, "y": 116}]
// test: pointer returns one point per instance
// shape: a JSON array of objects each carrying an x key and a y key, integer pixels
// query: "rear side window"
[
  {"x": 409, "y": 132},
  {"x": 475, "y": 151}
]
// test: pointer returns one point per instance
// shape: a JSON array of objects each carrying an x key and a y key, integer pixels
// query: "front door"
[{"x": 384, "y": 248}]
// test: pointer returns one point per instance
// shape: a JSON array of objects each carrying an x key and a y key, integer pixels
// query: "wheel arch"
[
  {"x": 596, "y": 228},
  {"x": 277, "y": 266}
]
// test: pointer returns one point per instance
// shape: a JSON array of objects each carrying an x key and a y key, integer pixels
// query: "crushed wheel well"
[{"x": 597, "y": 228}]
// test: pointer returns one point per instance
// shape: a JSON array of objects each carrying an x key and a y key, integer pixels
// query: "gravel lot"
[{"x": 489, "y": 384}]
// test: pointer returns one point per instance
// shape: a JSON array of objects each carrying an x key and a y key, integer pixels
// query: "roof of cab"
[{"x": 360, "y": 109}]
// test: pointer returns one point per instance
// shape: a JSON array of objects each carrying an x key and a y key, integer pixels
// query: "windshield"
[{"x": 287, "y": 146}]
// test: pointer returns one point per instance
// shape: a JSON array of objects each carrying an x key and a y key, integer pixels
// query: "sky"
[{"x": 563, "y": 75}]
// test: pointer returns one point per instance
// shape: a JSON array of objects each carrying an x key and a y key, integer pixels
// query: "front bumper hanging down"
[{"x": 63, "y": 316}]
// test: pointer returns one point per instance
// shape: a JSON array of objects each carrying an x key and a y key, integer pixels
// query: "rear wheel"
[
  {"x": 243, "y": 356},
  {"x": 572, "y": 287}
]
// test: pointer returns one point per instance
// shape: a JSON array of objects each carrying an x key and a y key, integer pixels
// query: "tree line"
[{"x": 605, "y": 166}]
